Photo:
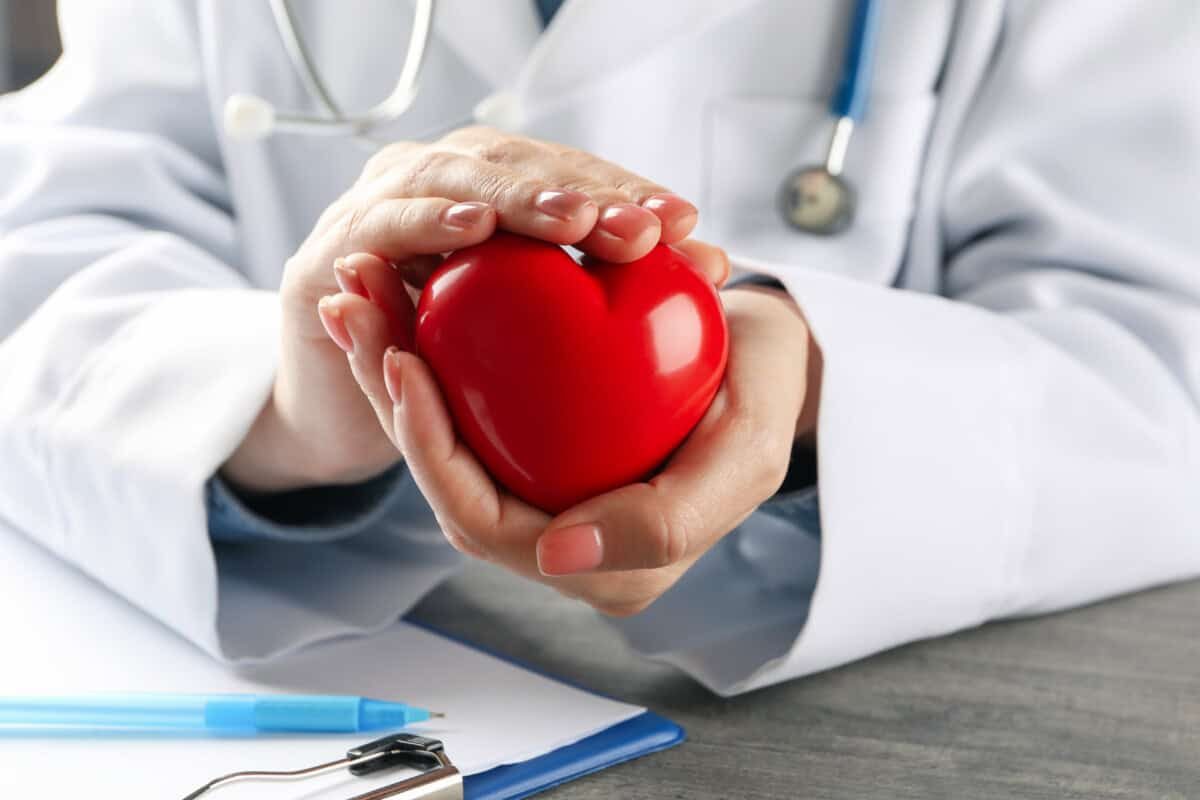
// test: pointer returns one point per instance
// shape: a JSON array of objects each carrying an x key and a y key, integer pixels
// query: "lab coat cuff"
[
  {"x": 315, "y": 514},
  {"x": 910, "y": 466}
]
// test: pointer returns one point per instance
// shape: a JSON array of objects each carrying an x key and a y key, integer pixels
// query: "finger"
[
  {"x": 525, "y": 204},
  {"x": 648, "y": 213},
  {"x": 474, "y": 514},
  {"x": 602, "y": 180},
  {"x": 734, "y": 460},
  {"x": 623, "y": 233},
  {"x": 708, "y": 258},
  {"x": 635, "y": 213},
  {"x": 611, "y": 185},
  {"x": 400, "y": 229},
  {"x": 374, "y": 278},
  {"x": 369, "y": 334},
  {"x": 678, "y": 216}
]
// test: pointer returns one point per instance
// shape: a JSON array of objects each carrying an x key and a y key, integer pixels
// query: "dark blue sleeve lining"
[{"x": 317, "y": 514}]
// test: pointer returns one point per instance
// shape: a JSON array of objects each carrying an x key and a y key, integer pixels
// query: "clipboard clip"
[{"x": 439, "y": 779}]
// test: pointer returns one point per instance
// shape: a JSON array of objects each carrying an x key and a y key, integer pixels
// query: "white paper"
[{"x": 64, "y": 634}]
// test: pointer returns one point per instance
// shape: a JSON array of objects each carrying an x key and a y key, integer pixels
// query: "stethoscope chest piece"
[
  {"x": 817, "y": 199},
  {"x": 814, "y": 200}
]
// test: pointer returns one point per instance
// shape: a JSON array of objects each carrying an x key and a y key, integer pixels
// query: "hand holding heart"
[
  {"x": 416, "y": 201},
  {"x": 620, "y": 550},
  {"x": 412, "y": 202},
  {"x": 532, "y": 360}
]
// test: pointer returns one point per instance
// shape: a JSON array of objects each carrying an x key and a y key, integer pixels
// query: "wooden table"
[{"x": 1101, "y": 702}]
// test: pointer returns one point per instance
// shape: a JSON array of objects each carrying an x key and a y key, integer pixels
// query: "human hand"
[
  {"x": 621, "y": 550},
  {"x": 412, "y": 202}
]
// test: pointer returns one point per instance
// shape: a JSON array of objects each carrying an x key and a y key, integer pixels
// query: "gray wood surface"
[{"x": 1101, "y": 702}]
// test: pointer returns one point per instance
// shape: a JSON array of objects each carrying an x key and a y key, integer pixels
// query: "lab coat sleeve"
[
  {"x": 1031, "y": 440},
  {"x": 134, "y": 355},
  {"x": 309, "y": 515}
]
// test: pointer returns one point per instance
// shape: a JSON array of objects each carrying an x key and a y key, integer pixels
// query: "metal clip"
[{"x": 439, "y": 779}]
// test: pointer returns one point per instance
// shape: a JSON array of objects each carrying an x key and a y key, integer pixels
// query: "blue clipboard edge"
[{"x": 642, "y": 735}]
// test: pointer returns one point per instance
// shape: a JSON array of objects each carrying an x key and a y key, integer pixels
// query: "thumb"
[{"x": 634, "y": 527}]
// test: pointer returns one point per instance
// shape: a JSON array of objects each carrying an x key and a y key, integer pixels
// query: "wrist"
[
  {"x": 807, "y": 417},
  {"x": 267, "y": 459}
]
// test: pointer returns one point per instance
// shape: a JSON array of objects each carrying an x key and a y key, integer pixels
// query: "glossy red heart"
[{"x": 569, "y": 381}]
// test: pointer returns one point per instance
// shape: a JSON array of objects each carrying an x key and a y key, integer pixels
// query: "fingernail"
[
  {"x": 567, "y": 551},
  {"x": 671, "y": 205},
  {"x": 464, "y": 216},
  {"x": 562, "y": 204},
  {"x": 347, "y": 278},
  {"x": 335, "y": 325},
  {"x": 626, "y": 221},
  {"x": 677, "y": 215},
  {"x": 391, "y": 374}
]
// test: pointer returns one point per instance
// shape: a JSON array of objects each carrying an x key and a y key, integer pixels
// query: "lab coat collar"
[
  {"x": 493, "y": 38},
  {"x": 585, "y": 42}
]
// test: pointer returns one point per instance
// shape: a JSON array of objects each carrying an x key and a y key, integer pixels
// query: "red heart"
[{"x": 567, "y": 381}]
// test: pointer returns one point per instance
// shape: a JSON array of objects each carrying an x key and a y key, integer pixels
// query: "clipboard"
[{"x": 439, "y": 779}]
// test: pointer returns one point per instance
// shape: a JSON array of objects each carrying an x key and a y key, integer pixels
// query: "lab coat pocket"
[{"x": 753, "y": 143}]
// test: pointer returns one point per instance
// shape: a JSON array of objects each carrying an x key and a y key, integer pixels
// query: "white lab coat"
[{"x": 1028, "y": 444}]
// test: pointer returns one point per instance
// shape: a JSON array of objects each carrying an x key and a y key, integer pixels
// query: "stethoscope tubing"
[
  {"x": 850, "y": 99},
  {"x": 335, "y": 121}
]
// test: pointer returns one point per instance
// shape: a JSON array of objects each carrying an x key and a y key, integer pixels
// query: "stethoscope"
[
  {"x": 816, "y": 199},
  {"x": 248, "y": 116}
]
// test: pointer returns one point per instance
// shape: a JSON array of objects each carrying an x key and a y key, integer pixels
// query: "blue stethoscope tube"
[{"x": 850, "y": 100}]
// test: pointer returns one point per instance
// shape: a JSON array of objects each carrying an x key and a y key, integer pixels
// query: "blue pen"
[{"x": 232, "y": 713}]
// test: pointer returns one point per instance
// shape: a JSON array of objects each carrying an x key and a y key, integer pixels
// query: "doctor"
[{"x": 996, "y": 362}]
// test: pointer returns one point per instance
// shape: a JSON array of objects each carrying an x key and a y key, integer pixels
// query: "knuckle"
[
  {"x": 497, "y": 189},
  {"x": 578, "y": 159},
  {"x": 669, "y": 535},
  {"x": 600, "y": 192},
  {"x": 637, "y": 188},
  {"x": 352, "y": 224},
  {"x": 426, "y": 166},
  {"x": 409, "y": 215},
  {"x": 503, "y": 150}
]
